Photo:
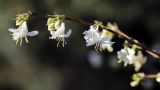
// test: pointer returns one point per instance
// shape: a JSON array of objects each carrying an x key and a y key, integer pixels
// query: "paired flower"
[
  {"x": 22, "y": 32},
  {"x": 57, "y": 30},
  {"x": 99, "y": 39},
  {"x": 128, "y": 56}
]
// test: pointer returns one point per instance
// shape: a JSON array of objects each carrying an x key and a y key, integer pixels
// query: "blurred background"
[{"x": 40, "y": 65}]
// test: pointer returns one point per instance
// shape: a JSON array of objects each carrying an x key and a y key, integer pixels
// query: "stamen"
[
  {"x": 17, "y": 41},
  {"x": 99, "y": 46},
  {"x": 58, "y": 43},
  {"x": 96, "y": 48},
  {"x": 63, "y": 42},
  {"x": 21, "y": 41},
  {"x": 26, "y": 39}
]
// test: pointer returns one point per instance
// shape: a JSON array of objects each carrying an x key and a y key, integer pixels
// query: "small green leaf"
[{"x": 21, "y": 18}]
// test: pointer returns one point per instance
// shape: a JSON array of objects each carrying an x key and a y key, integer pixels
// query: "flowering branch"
[
  {"x": 116, "y": 31},
  {"x": 98, "y": 35}
]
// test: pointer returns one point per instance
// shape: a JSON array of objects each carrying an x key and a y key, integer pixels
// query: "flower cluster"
[
  {"x": 101, "y": 40},
  {"x": 22, "y": 30},
  {"x": 56, "y": 26}
]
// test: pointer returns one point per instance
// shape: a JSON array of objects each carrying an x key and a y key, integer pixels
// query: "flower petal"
[
  {"x": 131, "y": 51},
  {"x": 60, "y": 31},
  {"x": 11, "y": 29},
  {"x": 32, "y": 33},
  {"x": 68, "y": 33},
  {"x": 57, "y": 24},
  {"x": 24, "y": 26},
  {"x": 89, "y": 44}
]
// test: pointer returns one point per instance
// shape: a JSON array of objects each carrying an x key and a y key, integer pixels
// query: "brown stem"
[
  {"x": 79, "y": 21},
  {"x": 151, "y": 76}
]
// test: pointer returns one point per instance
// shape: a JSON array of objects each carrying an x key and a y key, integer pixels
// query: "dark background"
[{"x": 40, "y": 65}]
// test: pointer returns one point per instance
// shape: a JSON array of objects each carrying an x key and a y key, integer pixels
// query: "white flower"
[
  {"x": 127, "y": 55},
  {"x": 93, "y": 37},
  {"x": 108, "y": 35},
  {"x": 59, "y": 34},
  {"x": 22, "y": 32}
]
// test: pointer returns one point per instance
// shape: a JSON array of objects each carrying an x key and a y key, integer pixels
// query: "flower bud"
[{"x": 21, "y": 18}]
